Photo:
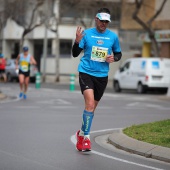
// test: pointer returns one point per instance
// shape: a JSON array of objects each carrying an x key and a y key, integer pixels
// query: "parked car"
[
  {"x": 143, "y": 74},
  {"x": 12, "y": 73}
]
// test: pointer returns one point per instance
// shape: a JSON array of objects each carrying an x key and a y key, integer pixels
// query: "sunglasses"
[{"x": 103, "y": 21}]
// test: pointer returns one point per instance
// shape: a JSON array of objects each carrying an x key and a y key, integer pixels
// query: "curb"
[{"x": 124, "y": 142}]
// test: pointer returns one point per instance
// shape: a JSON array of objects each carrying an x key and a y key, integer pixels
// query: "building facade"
[
  {"x": 161, "y": 24},
  {"x": 82, "y": 13}
]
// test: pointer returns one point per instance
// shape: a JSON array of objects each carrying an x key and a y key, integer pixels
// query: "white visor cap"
[{"x": 103, "y": 16}]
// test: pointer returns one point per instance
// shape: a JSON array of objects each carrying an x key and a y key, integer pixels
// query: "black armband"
[
  {"x": 76, "y": 50},
  {"x": 117, "y": 56}
]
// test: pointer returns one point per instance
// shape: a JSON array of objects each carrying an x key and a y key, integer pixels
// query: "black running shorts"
[
  {"x": 98, "y": 84},
  {"x": 26, "y": 74},
  {"x": 2, "y": 71}
]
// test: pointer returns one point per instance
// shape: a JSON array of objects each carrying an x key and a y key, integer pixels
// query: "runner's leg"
[
  {"x": 26, "y": 83},
  {"x": 21, "y": 82}
]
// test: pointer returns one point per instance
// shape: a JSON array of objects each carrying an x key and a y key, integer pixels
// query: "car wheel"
[
  {"x": 117, "y": 87},
  {"x": 140, "y": 88},
  {"x": 9, "y": 77}
]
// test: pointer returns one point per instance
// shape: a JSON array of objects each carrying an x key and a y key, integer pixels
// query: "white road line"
[
  {"x": 73, "y": 140},
  {"x": 104, "y": 107},
  {"x": 157, "y": 107},
  {"x": 133, "y": 104},
  {"x": 54, "y": 101},
  {"x": 62, "y": 101},
  {"x": 27, "y": 107},
  {"x": 138, "y": 105},
  {"x": 63, "y": 107}
]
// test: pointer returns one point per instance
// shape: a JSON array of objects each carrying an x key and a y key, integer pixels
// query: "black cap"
[{"x": 25, "y": 49}]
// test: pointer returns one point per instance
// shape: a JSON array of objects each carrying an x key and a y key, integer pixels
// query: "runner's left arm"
[
  {"x": 117, "y": 56},
  {"x": 116, "y": 50},
  {"x": 33, "y": 61}
]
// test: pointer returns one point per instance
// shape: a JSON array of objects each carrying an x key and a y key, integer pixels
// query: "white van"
[{"x": 142, "y": 74}]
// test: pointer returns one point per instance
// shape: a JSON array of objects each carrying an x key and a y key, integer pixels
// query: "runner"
[
  {"x": 101, "y": 47},
  {"x": 2, "y": 67},
  {"x": 23, "y": 61}
]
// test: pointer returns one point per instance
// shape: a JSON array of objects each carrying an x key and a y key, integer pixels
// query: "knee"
[
  {"x": 21, "y": 82},
  {"x": 90, "y": 106}
]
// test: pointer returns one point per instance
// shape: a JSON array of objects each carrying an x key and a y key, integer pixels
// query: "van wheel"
[
  {"x": 117, "y": 87},
  {"x": 140, "y": 88}
]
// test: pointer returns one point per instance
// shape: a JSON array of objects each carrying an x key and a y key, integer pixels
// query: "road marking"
[
  {"x": 133, "y": 104},
  {"x": 139, "y": 105},
  {"x": 104, "y": 107},
  {"x": 63, "y": 107},
  {"x": 157, "y": 107},
  {"x": 73, "y": 140},
  {"x": 27, "y": 107},
  {"x": 54, "y": 101}
]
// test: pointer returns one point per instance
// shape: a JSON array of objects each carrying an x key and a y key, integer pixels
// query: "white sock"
[
  {"x": 81, "y": 133},
  {"x": 87, "y": 136}
]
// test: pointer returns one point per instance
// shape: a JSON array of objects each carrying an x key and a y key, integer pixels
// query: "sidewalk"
[{"x": 122, "y": 141}]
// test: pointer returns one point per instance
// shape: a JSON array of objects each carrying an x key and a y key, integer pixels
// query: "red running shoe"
[
  {"x": 79, "y": 144},
  {"x": 86, "y": 145}
]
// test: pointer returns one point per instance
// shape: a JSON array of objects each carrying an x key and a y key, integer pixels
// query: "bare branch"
[
  {"x": 157, "y": 13},
  {"x": 27, "y": 30},
  {"x": 39, "y": 3},
  {"x": 147, "y": 26},
  {"x": 138, "y": 4}
]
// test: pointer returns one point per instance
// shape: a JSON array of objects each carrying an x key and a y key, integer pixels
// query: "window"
[
  {"x": 125, "y": 67},
  {"x": 65, "y": 48}
]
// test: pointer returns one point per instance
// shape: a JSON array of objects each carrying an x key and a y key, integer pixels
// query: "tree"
[
  {"x": 24, "y": 13},
  {"x": 32, "y": 23},
  {"x": 3, "y": 17},
  {"x": 55, "y": 20},
  {"x": 147, "y": 26}
]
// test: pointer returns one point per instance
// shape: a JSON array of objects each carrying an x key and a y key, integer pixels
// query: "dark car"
[{"x": 12, "y": 73}]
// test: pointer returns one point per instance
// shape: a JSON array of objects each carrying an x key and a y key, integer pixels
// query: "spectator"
[{"x": 2, "y": 67}]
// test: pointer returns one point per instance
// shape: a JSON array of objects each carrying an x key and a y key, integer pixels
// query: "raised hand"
[{"x": 79, "y": 34}]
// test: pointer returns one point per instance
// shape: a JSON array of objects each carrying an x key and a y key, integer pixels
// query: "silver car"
[{"x": 12, "y": 73}]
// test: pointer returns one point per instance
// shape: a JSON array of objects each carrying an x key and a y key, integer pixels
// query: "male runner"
[
  {"x": 24, "y": 60},
  {"x": 101, "y": 47}
]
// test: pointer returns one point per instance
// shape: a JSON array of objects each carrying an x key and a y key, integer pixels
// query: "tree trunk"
[
  {"x": 57, "y": 76},
  {"x": 155, "y": 46},
  {"x": 147, "y": 26},
  {"x": 21, "y": 43}
]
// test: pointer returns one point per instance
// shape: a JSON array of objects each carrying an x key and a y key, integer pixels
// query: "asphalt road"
[{"x": 38, "y": 133}]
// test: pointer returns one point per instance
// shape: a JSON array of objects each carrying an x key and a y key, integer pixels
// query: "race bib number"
[
  {"x": 99, "y": 54},
  {"x": 24, "y": 66}
]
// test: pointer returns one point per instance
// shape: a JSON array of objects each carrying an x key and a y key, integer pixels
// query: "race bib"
[
  {"x": 99, "y": 54},
  {"x": 24, "y": 66}
]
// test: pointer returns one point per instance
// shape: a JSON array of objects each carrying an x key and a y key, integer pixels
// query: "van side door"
[{"x": 124, "y": 75}]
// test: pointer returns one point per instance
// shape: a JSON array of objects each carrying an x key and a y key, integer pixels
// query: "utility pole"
[
  {"x": 57, "y": 51},
  {"x": 45, "y": 44}
]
